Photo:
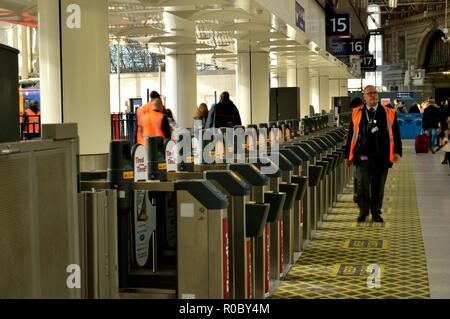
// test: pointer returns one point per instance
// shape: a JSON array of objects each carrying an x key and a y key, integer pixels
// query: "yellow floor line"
[{"x": 346, "y": 260}]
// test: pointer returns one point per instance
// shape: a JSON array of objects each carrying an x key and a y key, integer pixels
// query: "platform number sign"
[
  {"x": 368, "y": 63},
  {"x": 357, "y": 46},
  {"x": 346, "y": 46},
  {"x": 338, "y": 25}
]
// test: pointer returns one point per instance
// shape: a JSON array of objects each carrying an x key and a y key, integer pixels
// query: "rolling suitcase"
[{"x": 422, "y": 143}]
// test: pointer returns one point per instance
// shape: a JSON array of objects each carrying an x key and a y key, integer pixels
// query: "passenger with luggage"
[
  {"x": 430, "y": 123},
  {"x": 373, "y": 146}
]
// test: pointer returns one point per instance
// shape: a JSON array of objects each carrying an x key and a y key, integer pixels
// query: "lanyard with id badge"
[
  {"x": 372, "y": 127},
  {"x": 371, "y": 122}
]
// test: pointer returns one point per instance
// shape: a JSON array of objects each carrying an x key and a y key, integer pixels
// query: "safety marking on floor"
[
  {"x": 366, "y": 243},
  {"x": 327, "y": 269},
  {"x": 355, "y": 270},
  {"x": 370, "y": 224}
]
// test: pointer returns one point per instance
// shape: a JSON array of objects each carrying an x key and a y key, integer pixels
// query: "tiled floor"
[
  {"x": 433, "y": 198},
  {"x": 337, "y": 262}
]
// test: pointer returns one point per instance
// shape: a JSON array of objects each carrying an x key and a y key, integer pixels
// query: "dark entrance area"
[{"x": 441, "y": 95}]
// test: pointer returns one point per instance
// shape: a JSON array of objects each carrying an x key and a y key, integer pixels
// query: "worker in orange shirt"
[
  {"x": 152, "y": 121},
  {"x": 32, "y": 120}
]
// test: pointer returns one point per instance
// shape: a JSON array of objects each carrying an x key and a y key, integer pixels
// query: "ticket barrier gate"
[
  {"x": 237, "y": 193},
  {"x": 247, "y": 256},
  {"x": 282, "y": 233},
  {"x": 316, "y": 148},
  {"x": 302, "y": 196},
  {"x": 326, "y": 183},
  {"x": 309, "y": 204},
  {"x": 196, "y": 271},
  {"x": 292, "y": 221},
  {"x": 272, "y": 231},
  {"x": 260, "y": 244}
]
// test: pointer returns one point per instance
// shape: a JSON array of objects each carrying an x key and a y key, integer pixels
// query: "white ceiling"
[{"x": 219, "y": 25}]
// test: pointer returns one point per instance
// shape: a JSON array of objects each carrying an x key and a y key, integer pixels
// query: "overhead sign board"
[
  {"x": 338, "y": 25},
  {"x": 368, "y": 63},
  {"x": 300, "y": 16},
  {"x": 345, "y": 46}
]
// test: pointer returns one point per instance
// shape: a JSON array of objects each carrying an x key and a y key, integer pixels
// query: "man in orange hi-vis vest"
[
  {"x": 373, "y": 146},
  {"x": 152, "y": 121}
]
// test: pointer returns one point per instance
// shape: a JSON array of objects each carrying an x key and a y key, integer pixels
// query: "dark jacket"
[
  {"x": 223, "y": 114},
  {"x": 381, "y": 139},
  {"x": 445, "y": 113},
  {"x": 431, "y": 117},
  {"x": 414, "y": 109}
]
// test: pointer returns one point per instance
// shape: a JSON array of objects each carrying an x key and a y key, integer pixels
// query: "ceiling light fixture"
[{"x": 392, "y": 3}]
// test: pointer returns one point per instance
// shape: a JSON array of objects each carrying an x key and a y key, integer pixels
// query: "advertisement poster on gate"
[{"x": 144, "y": 211}]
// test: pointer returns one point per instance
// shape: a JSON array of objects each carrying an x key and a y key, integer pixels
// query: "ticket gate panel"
[
  {"x": 287, "y": 226},
  {"x": 302, "y": 182},
  {"x": 314, "y": 175},
  {"x": 202, "y": 250}
]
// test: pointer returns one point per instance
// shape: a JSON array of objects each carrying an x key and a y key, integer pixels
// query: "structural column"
[
  {"x": 291, "y": 76},
  {"x": 50, "y": 61},
  {"x": 253, "y": 86},
  {"x": 314, "y": 89},
  {"x": 343, "y": 87},
  {"x": 181, "y": 72},
  {"x": 77, "y": 68},
  {"x": 324, "y": 87},
  {"x": 24, "y": 53},
  {"x": 303, "y": 83}
]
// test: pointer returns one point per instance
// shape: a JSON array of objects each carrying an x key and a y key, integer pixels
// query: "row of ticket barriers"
[{"x": 227, "y": 228}]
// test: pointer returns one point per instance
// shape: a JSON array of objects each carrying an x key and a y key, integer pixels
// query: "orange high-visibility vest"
[
  {"x": 149, "y": 123},
  {"x": 33, "y": 121},
  {"x": 356, "y": 119}
]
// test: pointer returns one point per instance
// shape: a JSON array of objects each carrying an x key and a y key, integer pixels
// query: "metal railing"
[
  {"x": 124, "y": 127},
  {"x": 30, "y": 126}
]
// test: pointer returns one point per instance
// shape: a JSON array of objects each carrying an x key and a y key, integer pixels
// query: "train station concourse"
[{"x": 238, "y": 150}]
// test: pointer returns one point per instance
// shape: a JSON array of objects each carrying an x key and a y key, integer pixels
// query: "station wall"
[{"x": 135, "y": 85}]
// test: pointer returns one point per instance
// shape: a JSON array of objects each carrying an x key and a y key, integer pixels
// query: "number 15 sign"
[{"x": 338, "y": 25}]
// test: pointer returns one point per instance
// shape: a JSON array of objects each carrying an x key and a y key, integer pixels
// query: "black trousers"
[{"x": 370, "y": 182}]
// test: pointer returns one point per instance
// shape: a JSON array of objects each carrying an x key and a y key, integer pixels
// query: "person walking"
[
  {"x": 373, "y": 146},
  {"x": 152, "y": 121},
  {"x": 201, "y": 114},
  {"x": 224, "y": 113},
  {"x": 430, "y": 122}
]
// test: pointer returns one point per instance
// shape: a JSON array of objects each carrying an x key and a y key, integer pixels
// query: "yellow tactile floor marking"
[{"x": 328, "y": 269}]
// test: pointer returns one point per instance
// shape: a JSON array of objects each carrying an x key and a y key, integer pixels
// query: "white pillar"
[
  {"x": 343, "y": 87},
  {"x": 314, "y": 88},
  {"x": 291, "y": 77},
  {"x": 24, "y": 50},
  {"x": 243, "y": 87},
  {"x": 15, "y": 36},
  {"x": 85, "y": 66},
  {"x": 303, "y": 83},
  {"x": 4, "y": 33},
  {"x": 324, "y": 100},
  {"x": 181, "y": 72},
  {"x": 75, "y": 71},
  {"x": 334, "y": 88},
  {"x": 181, "y": 84},
  {"x": 260, "y": 87},
  {"x": 282, "y": 79},
  {"x": 253, "y": 87},
  {"x": 49, "y": 61}
]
